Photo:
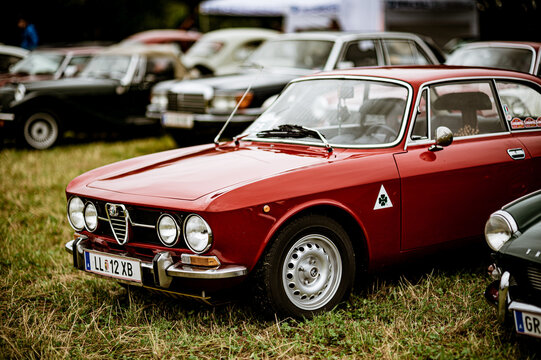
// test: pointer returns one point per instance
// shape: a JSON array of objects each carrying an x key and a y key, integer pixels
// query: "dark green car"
[
  {"x": 514, "y": 233},
  {"x": 110, "y": 94}
]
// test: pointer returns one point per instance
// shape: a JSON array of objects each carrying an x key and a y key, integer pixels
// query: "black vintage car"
[
  {"x": 110, "y": 93},
  {"x": 514, "y": 233},
  {"x": 193, "y": 111}
]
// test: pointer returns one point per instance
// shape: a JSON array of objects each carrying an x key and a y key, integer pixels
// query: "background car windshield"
[
  {"x": 205, "y": 48},
  {"x": 107, "y": 66},
  {"x": 511, "y": 58},
  {"x": 38, "y": 63},
  {"x": 303, "y": 54},
  {"x": 346, "y": 112}
]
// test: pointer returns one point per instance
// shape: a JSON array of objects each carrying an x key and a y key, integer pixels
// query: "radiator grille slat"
[
  {"x": 534, "y": 276},
  {"x": 118, "y": 219},
  {"x": 191, "y": 103}
]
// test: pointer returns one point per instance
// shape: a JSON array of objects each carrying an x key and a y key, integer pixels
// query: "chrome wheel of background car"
[
  {"x": 41, "y": 130},
  {"x": 311, "y": 272},
  {"x": 308, "y": 269}
]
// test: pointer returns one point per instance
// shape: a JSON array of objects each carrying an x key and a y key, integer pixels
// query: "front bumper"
[{"x": 161, "y": 271}]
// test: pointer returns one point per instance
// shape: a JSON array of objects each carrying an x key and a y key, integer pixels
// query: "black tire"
[
  {"x": 308, "y": 269},
  {"x": 41, "y": 129}
]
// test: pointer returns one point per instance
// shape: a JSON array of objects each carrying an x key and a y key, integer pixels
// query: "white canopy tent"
[{"x": 351, "y": 15}]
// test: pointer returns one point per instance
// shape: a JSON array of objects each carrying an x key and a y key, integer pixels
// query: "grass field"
[{"x": 49, "y": 310}]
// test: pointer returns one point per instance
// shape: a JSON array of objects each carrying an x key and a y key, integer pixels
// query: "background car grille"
[
  {"x": 191, "y": 103},
  {"x": 534, "y": 276}
]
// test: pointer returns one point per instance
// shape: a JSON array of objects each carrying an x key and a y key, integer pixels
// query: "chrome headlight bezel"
[
  {"x": 195, "y": 225},
  {"x": 90, "y": 211},
  {"x": 499, "y": 228},
  {"x": 168, "y": 240},
  {"x": 75, "y": 210}
]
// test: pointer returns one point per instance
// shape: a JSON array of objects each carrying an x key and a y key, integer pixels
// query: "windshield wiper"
[{"x": 294, "y": 131}]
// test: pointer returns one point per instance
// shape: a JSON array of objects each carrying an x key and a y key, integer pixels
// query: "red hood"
[{"x": 189, "y": 176}]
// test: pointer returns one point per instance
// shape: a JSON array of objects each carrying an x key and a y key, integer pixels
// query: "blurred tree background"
[{"x": 71, "y": 21}]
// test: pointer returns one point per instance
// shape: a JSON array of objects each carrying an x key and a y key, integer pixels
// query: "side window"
[
  {"x": 403, "y": 52},
  {"x": 521, "y": 104},
  {"x": 359, "y": 53},
  {"x": 466, "y": 108},
  {"x": 162, "y": 68},
  {"x": 420, "y": 128}
]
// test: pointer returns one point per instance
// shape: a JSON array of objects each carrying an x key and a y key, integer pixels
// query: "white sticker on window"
[{"x": 383, "y": 201}]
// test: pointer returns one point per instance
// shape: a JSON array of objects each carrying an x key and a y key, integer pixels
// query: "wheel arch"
[
  {"x": 338, "y": 212},
  {"x": 37, "y": 103}
]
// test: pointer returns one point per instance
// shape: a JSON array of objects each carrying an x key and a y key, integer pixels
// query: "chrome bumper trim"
[
  {"x": 503, "y": 296},
  {"x": 523, "y": 307},
  {"x": 164, "y": 270},
  {"x": 7, "y": 116}
]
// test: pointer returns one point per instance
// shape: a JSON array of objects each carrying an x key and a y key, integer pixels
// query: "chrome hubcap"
[{"x": 312, "y": 271}]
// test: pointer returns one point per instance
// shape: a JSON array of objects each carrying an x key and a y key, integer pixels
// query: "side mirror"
[{"x": 444, "y": 137}]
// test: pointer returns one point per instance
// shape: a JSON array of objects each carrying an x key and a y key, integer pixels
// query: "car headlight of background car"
[
  {"x": 197, "y": 234},
  {"x": 226, "y": 102},
  {"x": 499, "y": 228},
  {"x": 76, "y": 213},
  {"x": 159, "y": 100},
  {"x": 20, "y": 92}
]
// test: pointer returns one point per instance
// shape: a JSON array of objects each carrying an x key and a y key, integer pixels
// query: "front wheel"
[
  {"x": 41, "y": 130},
  {"x": 309, "y": 268}
]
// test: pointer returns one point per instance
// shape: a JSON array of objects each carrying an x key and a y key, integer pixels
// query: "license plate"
[
  {"x": 528, "y": 324},
  {"x": 177, "y": 120},
  {"x": 113, "y": 266}
]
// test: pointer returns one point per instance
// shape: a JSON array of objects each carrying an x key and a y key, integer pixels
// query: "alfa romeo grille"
[
  {"x": 118, "y": 219},
  {"x": 192, "y": 103},
  {"x": 534, "y": 276}
]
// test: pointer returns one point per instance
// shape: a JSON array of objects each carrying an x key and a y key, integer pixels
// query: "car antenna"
[{"x": 217, "y": 138}]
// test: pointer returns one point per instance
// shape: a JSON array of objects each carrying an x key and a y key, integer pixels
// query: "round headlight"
[
  {"x": 20, "y": 92},
  {"x": 499, "y": 229},
  {"x": 91, "y": 217},
  {"x": 75, "y": 213},
  {"x": 168, "y": 230},
  {"x": 197, "y": 234}
]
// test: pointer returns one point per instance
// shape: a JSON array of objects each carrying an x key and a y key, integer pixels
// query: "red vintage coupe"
[{"x": 347, "y": 172}]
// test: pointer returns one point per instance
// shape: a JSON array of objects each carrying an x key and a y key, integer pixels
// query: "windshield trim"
[
  {"x": 534, "y": 60},
  {"x": 318, "y": 143}
]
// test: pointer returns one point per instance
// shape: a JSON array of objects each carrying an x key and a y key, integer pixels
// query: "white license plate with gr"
[
  {"x": 177, "y": 120},
  {"x": 527, "y": 323},
  {"x": 114, "y": 266}
]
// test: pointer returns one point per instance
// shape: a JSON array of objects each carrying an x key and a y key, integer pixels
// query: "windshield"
[
  {"x": 204, "y": 48},
  {"x": 345, "y": 112},
  {"x": 38, "y": 64},
  {"x": 511, "y": 58},
  {"x": 107, "y": 67},
  {"x": 303, "y": 54}
]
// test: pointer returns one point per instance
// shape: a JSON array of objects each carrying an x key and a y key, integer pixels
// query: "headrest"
[{"x": 463, "y": 101}]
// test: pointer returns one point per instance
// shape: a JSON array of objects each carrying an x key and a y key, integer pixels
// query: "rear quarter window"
[{"x": 521, "y": 105}]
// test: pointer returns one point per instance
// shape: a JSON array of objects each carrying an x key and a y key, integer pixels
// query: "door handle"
[{"x": 517, "y": 153}]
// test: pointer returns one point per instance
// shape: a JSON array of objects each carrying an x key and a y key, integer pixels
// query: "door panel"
[{"x": 449, "y": 194}]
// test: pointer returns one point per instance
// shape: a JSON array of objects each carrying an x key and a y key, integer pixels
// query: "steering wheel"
[{"x": 382, "y": 128}]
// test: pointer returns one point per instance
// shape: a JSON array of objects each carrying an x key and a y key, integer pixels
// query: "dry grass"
[{"x": 48, "y": 310}]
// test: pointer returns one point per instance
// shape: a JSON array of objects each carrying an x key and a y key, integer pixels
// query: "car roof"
[
  {"x": 13, "y": 50},
  {"x": 76, "y": 50},
  {"x": 239, "y": 32},
  {"x": 533, "y": 44},
  {"x": 140, "y": 49},
  {"x": 162, "y": 34},
  {"x": 345, "y": 36},
  {"x": 418, "y": 75}
]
